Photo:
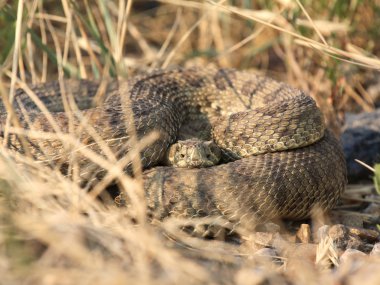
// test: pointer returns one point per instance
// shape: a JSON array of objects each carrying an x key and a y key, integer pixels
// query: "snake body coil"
[{"x": 284, "y": 161}]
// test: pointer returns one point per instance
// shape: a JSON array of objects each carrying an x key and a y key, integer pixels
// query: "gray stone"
[{"x": 361, "y": 140}]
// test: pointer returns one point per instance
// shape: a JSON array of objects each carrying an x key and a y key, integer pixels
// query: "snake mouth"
[
  {"x": 202, "y": 163},
  {"x": 193, "y": 153}
]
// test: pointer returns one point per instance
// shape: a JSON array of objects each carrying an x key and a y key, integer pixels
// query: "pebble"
[
  {"x": 350, "y": 220},
  {"x": 263, "y": 238},
  {"x": 339, "y": 234},
  {"x": 349, "y": 237},
  {"x": 270, "y": 228},
  {"x": 304, "y": 234},
  {"x": 303, "y": 251},
  {"x": 351, "y": 255},
  {"x": 266, "y": 252},
  {"x": 322, "y": 232},
  {"x": 259, "y": 277},
  {"x": 366, "y": 234},
  {"x": 373, "y": 209},
  {"x": 375, "y": 250}
]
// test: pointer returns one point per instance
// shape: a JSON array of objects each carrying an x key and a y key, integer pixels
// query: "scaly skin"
[{"x": 286, "y": 163}]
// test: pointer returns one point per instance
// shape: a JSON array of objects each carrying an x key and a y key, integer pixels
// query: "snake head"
[{"x": 193, "y": 153}]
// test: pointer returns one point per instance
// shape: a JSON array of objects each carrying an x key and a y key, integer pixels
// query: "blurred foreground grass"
[{"x": 55, "y": 233}]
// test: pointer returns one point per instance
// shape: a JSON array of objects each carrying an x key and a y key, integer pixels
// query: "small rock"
[
  {"x": 350, "y": 220},
  {"x": 280, "y": 244},
  {"x": 266, "y": 253},
  {"x": 364, "y": 272},
  {"x": 339, "y": 234},
  {"x": 269, "y": 228},
  {"x": 251, "y": 277},
  {"x": 354, "y": 238},
  {"x": 361, "y": 140},
  {"x": 366, "y": 234},
  {"x": 304, "y": 233},
  {"x": 300, "y": 256},
  {"x": 349, "y": 255},
  {"x": 263, "y": 238},
  {"x": 354, "y": 242},
  {"x": 373, "y": 209},
  {"x": 376, "y": 250},
  {"x": 322, "y": 232},
  {"x": 259, "y": 277},
  {"x": 303, "y": 251}
]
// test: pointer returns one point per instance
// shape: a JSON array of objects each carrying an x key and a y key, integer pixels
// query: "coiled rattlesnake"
[{"x": 284, "y": 162}]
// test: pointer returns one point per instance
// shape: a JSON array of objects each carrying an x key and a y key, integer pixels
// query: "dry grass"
[{"x": 53, "y": 232}]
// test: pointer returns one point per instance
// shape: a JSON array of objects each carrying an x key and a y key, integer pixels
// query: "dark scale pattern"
[{"x": 290, "y": 165}]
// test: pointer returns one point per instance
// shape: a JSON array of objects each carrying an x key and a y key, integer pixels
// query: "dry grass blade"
[
  {"x": 349, "y": 57},
  {"x": 75, "y": 240},
  {"x": 365, "y": 165},
  {"x": 325, "y": 27},
  {"x": 166, "y": 43},
  {"x": 326, "y": 255},
  {"x": 312, "y": 23},
  {"x": 264, "y": 17},
  {"x": 14, "y": 64}
]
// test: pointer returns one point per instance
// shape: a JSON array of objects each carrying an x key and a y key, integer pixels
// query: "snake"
[{"x": 280, "y": 160}]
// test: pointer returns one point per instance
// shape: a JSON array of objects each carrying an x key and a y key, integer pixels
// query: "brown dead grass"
[{"x": 53, "y": 232}]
